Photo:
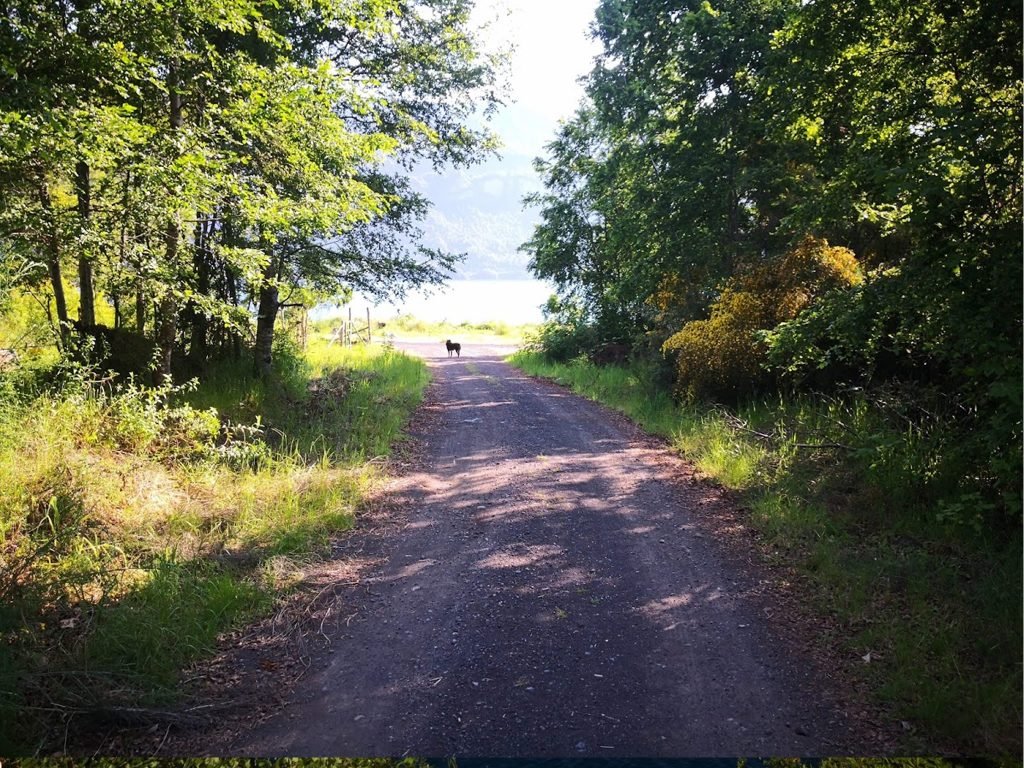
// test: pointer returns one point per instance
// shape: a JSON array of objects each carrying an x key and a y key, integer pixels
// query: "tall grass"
[
  {"x": 137, "y": 524},
  {"x": 837, "y": 488}
]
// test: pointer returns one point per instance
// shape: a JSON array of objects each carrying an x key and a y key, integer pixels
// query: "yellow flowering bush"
[{"x": 723, "y": 356}]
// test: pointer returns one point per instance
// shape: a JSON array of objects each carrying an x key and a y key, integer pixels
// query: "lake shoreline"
[{"x": 516, "y": 302}]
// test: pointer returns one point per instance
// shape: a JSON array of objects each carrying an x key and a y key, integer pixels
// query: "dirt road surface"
[{"x": 549, "y": 592}]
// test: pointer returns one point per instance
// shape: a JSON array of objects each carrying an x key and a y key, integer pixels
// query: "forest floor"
[{"x": 540, "y": 578}]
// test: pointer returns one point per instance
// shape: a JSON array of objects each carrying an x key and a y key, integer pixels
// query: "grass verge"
[
  {"x": 833, "y": 486},
  {"x": 136, "y": 525}
]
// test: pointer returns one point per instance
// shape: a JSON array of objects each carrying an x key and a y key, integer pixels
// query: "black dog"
[{"x": 456, "y": 347}]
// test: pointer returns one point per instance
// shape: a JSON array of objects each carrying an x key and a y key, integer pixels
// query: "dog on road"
[{"x": 453, "y": 347}]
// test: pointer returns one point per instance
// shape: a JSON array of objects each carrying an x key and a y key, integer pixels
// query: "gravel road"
[{"x": 550, "y": 592}]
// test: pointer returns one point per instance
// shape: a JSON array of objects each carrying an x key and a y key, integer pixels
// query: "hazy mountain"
[{"x": 478, "y": 211}]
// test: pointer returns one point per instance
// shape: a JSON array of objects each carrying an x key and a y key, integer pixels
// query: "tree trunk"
[
  {"x": 117, "y": 297},
  {"x": 140, "y": 313},
  {"x": 86, "y": 306},
  {"x": 52, "y": 243},
  {"x": 140, "y": 296},
  {"x": 168, "y": 327},
  {"x": 198, "y": 350},
  {"x": 231, "y": 287},
  {"x": 266, "y": 317}
]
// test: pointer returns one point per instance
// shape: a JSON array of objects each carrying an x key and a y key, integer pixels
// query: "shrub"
[
  {"x": 882, "y": 334},
  {"x": 723, "y": 356},
  {"x": 850, "y": 337},
  {"x": 565, "y": 333}
]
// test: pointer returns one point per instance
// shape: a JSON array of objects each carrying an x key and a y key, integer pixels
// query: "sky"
[
  {"x": 478, "y": 210},
  {"x": 552, "y": 50}
]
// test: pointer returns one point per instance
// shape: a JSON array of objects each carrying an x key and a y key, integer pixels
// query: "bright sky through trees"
[
  {"x": 552, "y": 50},
  {"x": 479, "y": 210}
]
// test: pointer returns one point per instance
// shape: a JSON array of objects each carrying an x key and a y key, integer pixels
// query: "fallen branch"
[{"x": 737, "y": 423}]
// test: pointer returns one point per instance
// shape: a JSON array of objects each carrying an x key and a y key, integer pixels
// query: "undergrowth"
[
  {"x": 137, "y": 524},
  {"x": 847, "y": 491}
]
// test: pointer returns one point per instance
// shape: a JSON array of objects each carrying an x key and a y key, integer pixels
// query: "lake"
[{"x": 461, "y": 301}]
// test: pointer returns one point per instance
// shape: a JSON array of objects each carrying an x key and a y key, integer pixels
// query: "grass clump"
[
  {"x": 137, "y": 524},
  {"x": 851, "y": 495}
]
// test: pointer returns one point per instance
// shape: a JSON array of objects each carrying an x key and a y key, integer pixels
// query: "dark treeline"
[
  {"x": 805, "y": 195},
  {"x": 199, "y": 164}
]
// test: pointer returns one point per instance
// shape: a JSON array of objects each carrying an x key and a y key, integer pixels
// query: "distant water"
[{"x": 461, "y": 301}]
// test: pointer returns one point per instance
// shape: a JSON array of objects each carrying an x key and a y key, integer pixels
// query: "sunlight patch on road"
[
  {"x": 641, "y": 530},
  {"x": 519, "y": 558},
  {"x": 412, "y": 569},
  {"x": 666, "y": 604}
]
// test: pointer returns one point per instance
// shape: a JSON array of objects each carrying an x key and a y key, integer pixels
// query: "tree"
[
  {"x": 717, "y": 135},
  {"x": 208, "y": 158},
  {"x": 684, "y": 187}
]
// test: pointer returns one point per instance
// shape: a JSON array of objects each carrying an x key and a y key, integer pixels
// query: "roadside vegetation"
[
  {"x": 137, "y": 524},
  {"x": 786, "y": 236}
]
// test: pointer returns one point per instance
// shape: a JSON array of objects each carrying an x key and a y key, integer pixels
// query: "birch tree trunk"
[
  {"x": 51, "y": 241},
  {"x": 86, "y": 303}
]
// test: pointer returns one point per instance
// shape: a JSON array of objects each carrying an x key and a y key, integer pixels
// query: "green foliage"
[
  {"x": 187, "y": 160},
  {"x": 859, "y": 338},
  {"x": 565, "y": 333},
  {"x": 664, "y": 172},
  {"x": 843, "y": 338},
  {"x": 24, "y": 325}
]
